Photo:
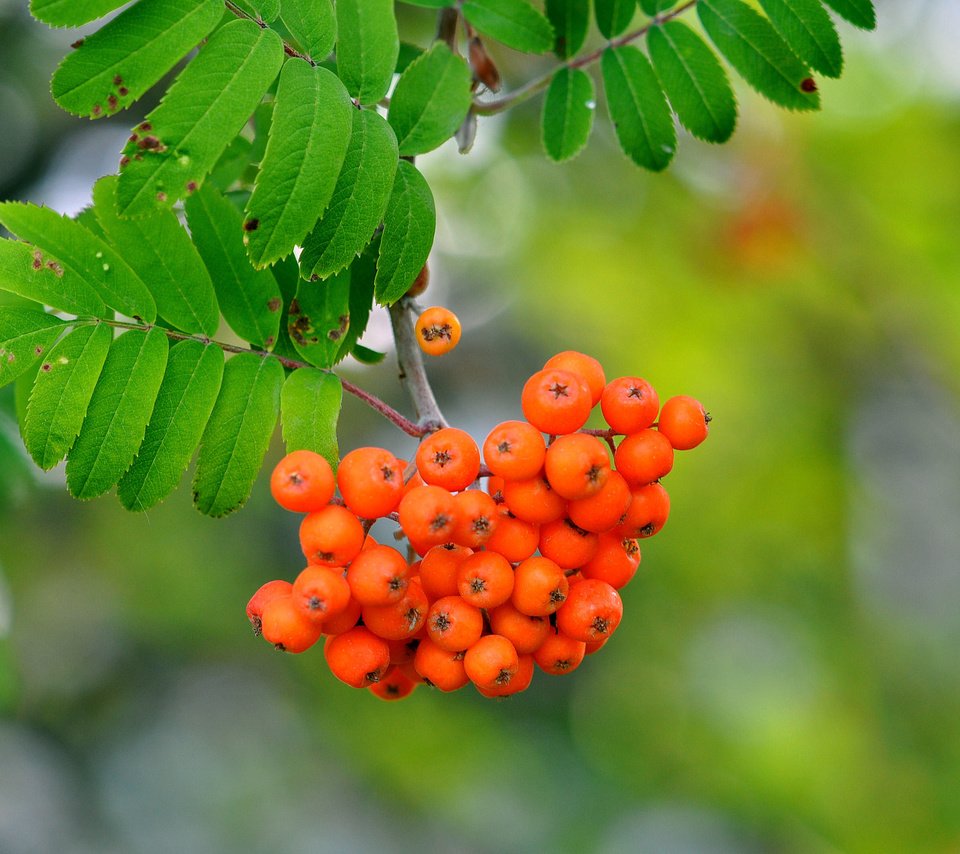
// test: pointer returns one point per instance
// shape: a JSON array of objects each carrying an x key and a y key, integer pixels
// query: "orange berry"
[
  {"x": 441, "y": 668},
  {"x": 615, "y": 561},
  {"x": 302, "y": 481},
  {"x": 485, "y": 580},
  {"x": 684, "y": 422},
  {"x": 644, "y": 457},
  {"x": 320, "y": 592},
  {"x": 513, "y": 538},
  {"x": 539, "y": 587},
  {"x": 420, "y": 283},
  {"x": 556, "y": 402},
  {"x": 491, "y": 662},
  {"x": 438, "y": 331},
  {"x": 453, "y": 624},
  {"x": 534, "y": 500},
  {"x": 603, "y": 510},
  {"x": 592, "y": 612},
  {"x": 378, "y": 576},
  {"x": 514, "y": 450},
  {"x": 428, "y": 515},
  {"x": 567, "y": 545},
  {"x": 449, "y": 458},
  {"x": 357, "y": 657},
  {"x": 648, "y": 512},
  {"x": 266, "y": 592},
  {"x": 495, "y": 488},
  {"x": 395, "y": 685},
  {"x": 371, "y": 482},
  {"x": 438, "y": 570},
  {"x": 344, "y": 621},
  {"x": 401, "y": 619},
  {"x": 577, "y": 466},
  {"x": 583, "y": 366},
  {"x": 332, "y": 536},
  {"x": 629, "y": 404},
  {"x": 284, "y": 625},
  {"x": 478, "y": 518},
  {"x": 526, "y": 633},
  {"x": 559, "y": 654}
]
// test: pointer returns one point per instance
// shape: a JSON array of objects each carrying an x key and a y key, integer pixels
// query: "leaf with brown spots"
[{"x": 25, "y": 335}]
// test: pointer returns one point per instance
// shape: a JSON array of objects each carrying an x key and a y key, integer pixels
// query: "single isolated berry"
[
  {"x": 438, "y": 331},
  {"x": 684, "y": 422}
]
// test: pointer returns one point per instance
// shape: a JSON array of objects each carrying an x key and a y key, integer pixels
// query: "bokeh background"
[{"x": 786, "y": 678}]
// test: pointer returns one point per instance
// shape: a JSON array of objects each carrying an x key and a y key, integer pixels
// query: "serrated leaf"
[
  {"x": 266, "y": 10},
  {"x": 756, "y": 51},
  {"x": 694, "y": 80},
  {"x": 568, "y": 110},
  {"x": 116, "y": 65},
  {"x": 367, "y": 47},
  {"x": 319, "y": 318},
  {"x": 181, "y": 140},
  {"x": 514, "y": 23},
  {"x": 118, "y": 412},
  {"x": 309, "y": 411},
  {"x": 359, "y": 200},
  {"x": 638, "y": 108},
  {"x": 309, "y": 134},
  {"x": 570, "y": 20},
  {"x": 408, "y": 228},
  {"x": 249, "y": 299},
  {"x": 62, "y": 391},
  {"x": 237, "y": 435},
  {"x": 860, "y": 13},
  {"x": 185, "y": 400},
  {"x": 162, "y": 254},
  {"x": 81, "y": 251},
  {"x": 613, "y": 16},
  {"x": 363, "y": 273},
  {"x": 430, "y": 101},
  {"x": 655, "y": 7},
  {"x": 807, "y": 28},
  {"x": 232, "y": 164},
  {"x": 312, "y": 23},
  {"x": 26, "y": 271},
  {"x": 71, "y": 13},
  {"x": 25, "y": 335}
]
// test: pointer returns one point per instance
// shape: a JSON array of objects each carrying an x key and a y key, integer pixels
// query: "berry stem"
[{"x": 413, "y": 374}]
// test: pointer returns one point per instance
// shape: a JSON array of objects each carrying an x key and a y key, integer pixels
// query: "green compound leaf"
[
  {"x": 238, "y": 433},
  {"x": 26, "y": 271},
  {"x": 638, "y": 108},
  {"x": 249, "y": 299},
  {"x": 613, "y": 16},
  {"x": 367, "y": 47},
  {"x": 170, "y": 153},
  {"x": 309, "y": 411},
  {"x": 309, "y": 134},
  {"x": 694, "y": 80},
  {"x": 359, "y": 200},
  {"x": 568, "y": 111},
  {"x": 860, "y": 13},
  {"x": 312, "y": 23},
  {"x": 808, "y": 29},
  {"x": 514, "y": 23},
  {"x": 430, "y": 101},
  {"x": 82, "y": 252},
  {"x": 363, "y": 272},
  {"x": 118, "y": 412},
  {"x": 62, "y": 391},
  {"x": 753, "y": 48},
  {"x": 319, "y": 319},
  {"x": 116, "y": 65},
  {"x": 266, "y": 10},
  {"x": 162, "y": 254},
  {"x": 71, "y": 13},
  {"x": 184, "y": 403},
  {"x": 570, "y": 20},
  {"x": 408, "y": 228},
  {"x": 25, "y": 335}
]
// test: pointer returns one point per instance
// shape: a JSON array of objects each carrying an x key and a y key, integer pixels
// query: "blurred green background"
[{"x": 786, "y": 677}]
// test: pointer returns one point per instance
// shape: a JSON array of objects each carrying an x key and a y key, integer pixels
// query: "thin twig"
[
  {"x": 413, "y": 374},
  {"x": 288, "y": 48}
]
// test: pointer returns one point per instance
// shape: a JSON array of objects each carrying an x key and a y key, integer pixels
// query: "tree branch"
[{"x": 413, "y": 374}]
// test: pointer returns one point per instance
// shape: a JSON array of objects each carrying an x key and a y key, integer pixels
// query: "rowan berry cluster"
[{"x": 496, "y": 581}]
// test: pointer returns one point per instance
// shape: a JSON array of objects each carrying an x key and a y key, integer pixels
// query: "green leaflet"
[
  {"x": 613, "y": 16},
  {"x": 638, "y": 108},
  {"x": 232, "y": 164},
  {"x": 655, "y": 7},
  {"x": 85, "y": 254},
  {"x": 367, "y": 47},
  {"x": 118, "y": 412},
  {"x": 363, "y": 272},
  {"x": 514, "y": 23},
  {"x": 26, "y": 271},
  {"x": 162, "y": 254},
  {"x": 860, "y": 13},
  {"x": 238, "y": 433},
  {"x": 430, "y": 4},
  {"x": 694, "y": 80},
  {"x": 184, "y": 403},
  {"x": 568, "y": 110},
  {"x": 71, "y": 13},
  {"x": 319, "y": 318},
  {"x": 309, "y": 410},
  {"x": 359, "y": 200},
  {"x": 408, "y": 228},
  {"x": 266, "y": 10},
  {"x": 25, "y": 335},
  {"x": 312, "y": 23},
  {"x": 366, "y": 356},
  {"x": 115, "y": 66},
  {"x": 249, "y": 299},
  {"x": 61, "y": 393},
  {"x": 171, "y": 152},
  {"x": 752, "y": 46},
  {"x": 807, "y": 28},
  {"x": 430, "y": 101},
  {"x": 570, "y": 20},
  {"x": 309, "y": 134}
]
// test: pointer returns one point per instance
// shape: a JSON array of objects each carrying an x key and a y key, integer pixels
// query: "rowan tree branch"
[{"x": 413, "y": 374}]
